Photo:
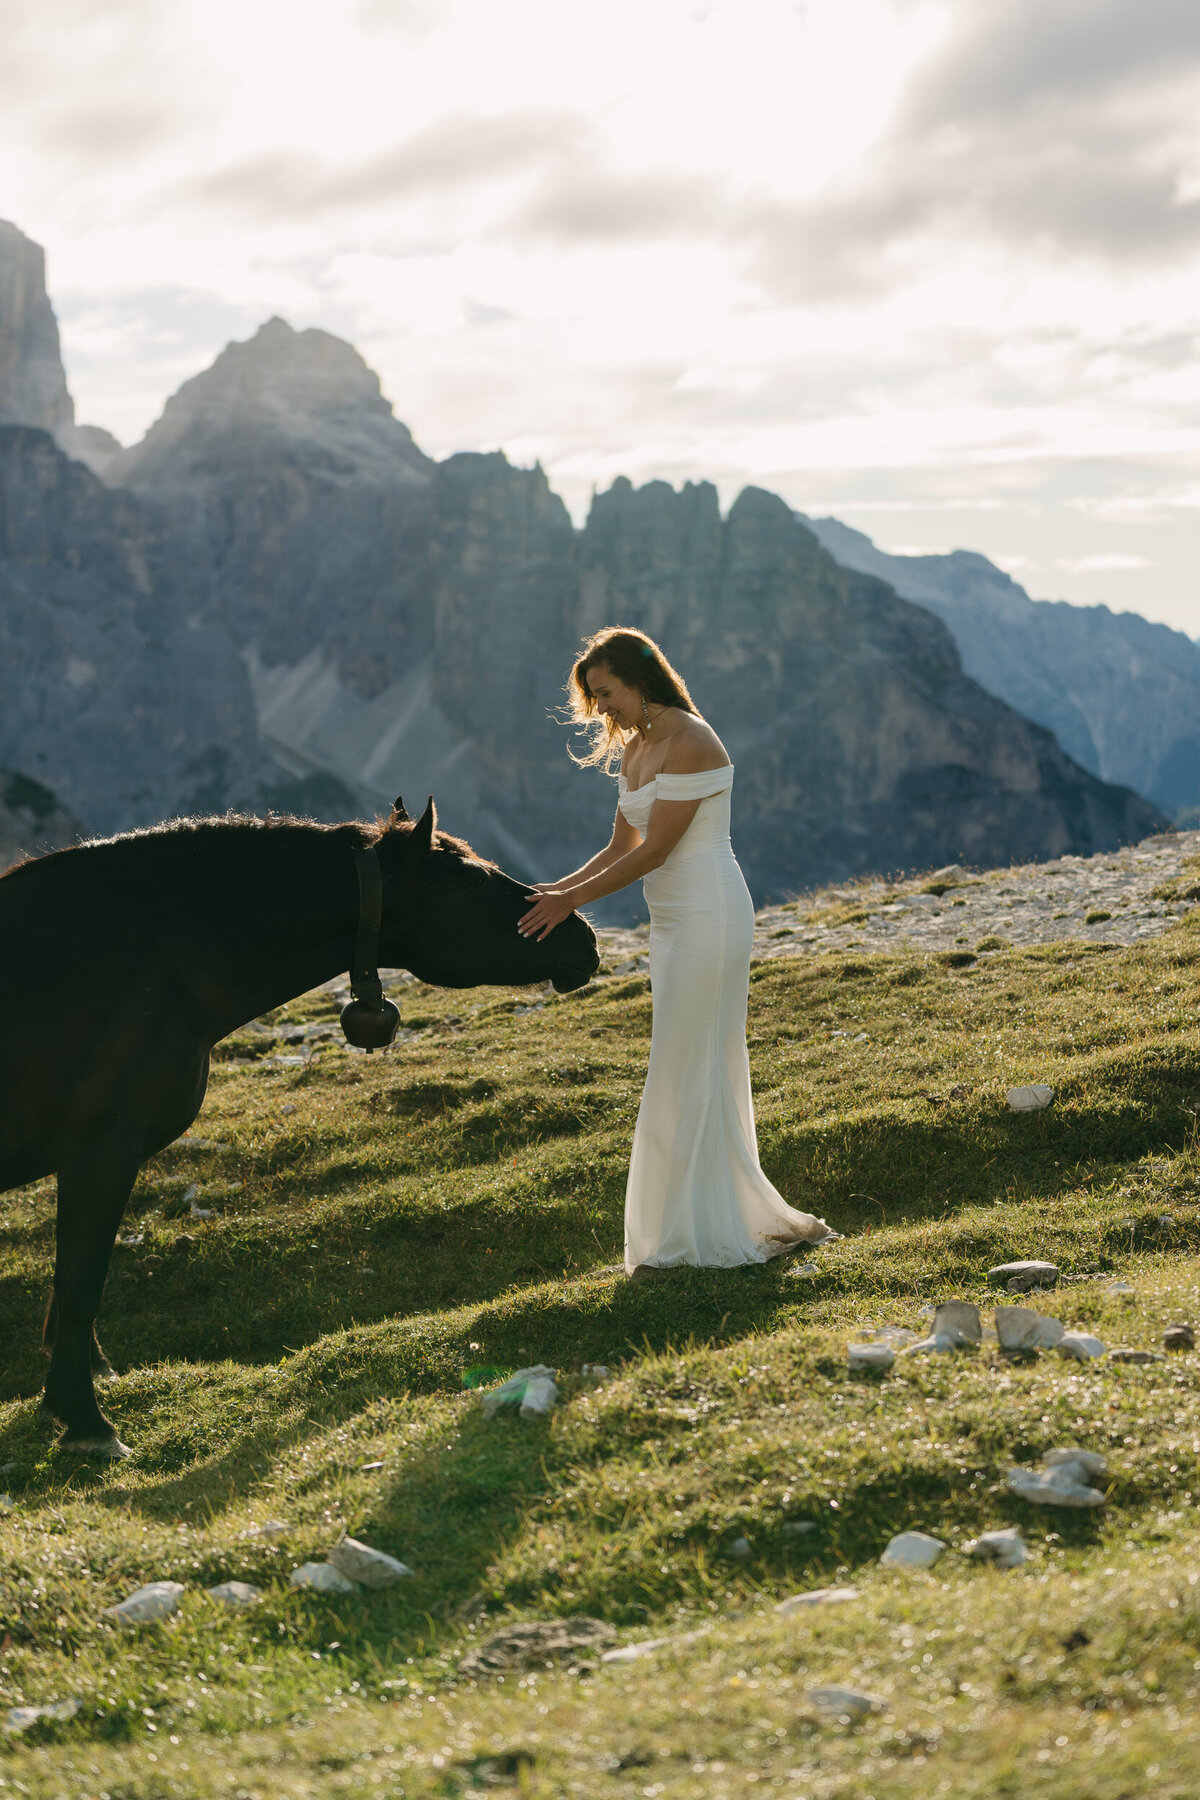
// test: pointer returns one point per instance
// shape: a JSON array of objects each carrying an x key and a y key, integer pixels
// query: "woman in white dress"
[{"x": 696, "y": 1192}]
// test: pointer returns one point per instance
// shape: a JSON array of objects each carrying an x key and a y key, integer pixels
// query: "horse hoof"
[{"x": 109, "y": 1449}]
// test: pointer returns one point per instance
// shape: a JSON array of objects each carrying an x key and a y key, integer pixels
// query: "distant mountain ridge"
[
  {"x": 316, "y": 614},
  {"x": 1120, "y": 693}
]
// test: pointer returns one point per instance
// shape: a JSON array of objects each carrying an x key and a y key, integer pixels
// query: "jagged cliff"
[
  {"x": 31, "y": 820},
  {"x": 277, "y": 578},
  {"x": 1121, "y": 694}
]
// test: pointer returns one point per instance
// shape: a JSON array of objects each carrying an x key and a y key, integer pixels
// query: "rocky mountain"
[
  {"x": 277, "y": 586},
  {"x": 1122, "y": 695},
  {"x": 31, "y": 820},
  {"x": 33, "y": 385}
]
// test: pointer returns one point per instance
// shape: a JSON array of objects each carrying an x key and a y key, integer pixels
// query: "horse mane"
[{"x": 279, "y": 836}]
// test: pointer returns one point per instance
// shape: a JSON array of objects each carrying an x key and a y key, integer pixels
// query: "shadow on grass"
[
  {"x": 890, "y": 1168},
  {"x": 250, "y": 1300}
]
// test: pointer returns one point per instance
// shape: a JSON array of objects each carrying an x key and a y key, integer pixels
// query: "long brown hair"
[{"x": 634, "y": 659}]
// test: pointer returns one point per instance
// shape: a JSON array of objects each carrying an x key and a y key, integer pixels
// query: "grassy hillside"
[{"x": 387, "y": 1230}]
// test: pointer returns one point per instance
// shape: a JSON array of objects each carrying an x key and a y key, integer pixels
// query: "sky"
[{"x": 932, "y": 266}]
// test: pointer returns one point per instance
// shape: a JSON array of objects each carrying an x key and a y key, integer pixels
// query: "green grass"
[{"x": 387, "y": 1225}]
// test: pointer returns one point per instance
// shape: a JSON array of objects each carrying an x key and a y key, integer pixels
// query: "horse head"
[{"x": 451, "y": 918}]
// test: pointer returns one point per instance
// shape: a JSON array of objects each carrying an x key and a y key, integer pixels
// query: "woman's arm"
[
  {"x": 623, "y": 839},
  {"x": 669, "y": 819}
]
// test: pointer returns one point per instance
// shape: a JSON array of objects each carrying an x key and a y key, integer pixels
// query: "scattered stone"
[
  {"x": 795, "y": 1269},
  {"x": 7, "y": 1503},
  {"x": 956, "y": 1323},
  {"x": 513, "y": 1391},
  {"x": 739, "y": 1549},
  {"x": 831, "y": 1596},
  {"x": 373, "y": 1568},
  {"x": 869, "y": 1356},
  {"x": 538, "y": 1645},
  {"x": 1021, "y": 1277},
  {"x": 1007, "y": 1548},
  {"x": 1079, "y": 1344},
  {"x": 896, "y": 1337},
  {"x": 235, "y": 1593},
  {"x": 634, "y": 1652},
  {"x": 540, "y": 1397},
  {"x": 1034, "y": 1098},
  {"x": 324, "y": 1577},
  {"x": 845, "y": 1703},
  {"x": 595, "y": 1371},
  {"x": 912, "y": 1550},
  {"x": 1179, "y": 1337},
  {"x": 20, "y": 1718},
  {"x": 1021, "y": 1328},
  {"x": 797, "y": 1527},
  {"x": 157, "y": 1600},
  {"x": 1062, "y": 1480},
  {"x": 1119, "y": 1287},
  {"x": 371, "y": 1468},
  {"x": 1135, "y": 1356},
  {"x": 270, "y": 1529}
]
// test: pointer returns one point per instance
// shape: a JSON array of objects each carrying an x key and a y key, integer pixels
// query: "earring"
[{"x": 646, "y": 713}]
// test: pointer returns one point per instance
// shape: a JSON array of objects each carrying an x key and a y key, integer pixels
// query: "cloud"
[
  {"x": 1102, "y": 562},
  {"x": 1065, "y": 128},
  {"x": 458, "y": 150}
]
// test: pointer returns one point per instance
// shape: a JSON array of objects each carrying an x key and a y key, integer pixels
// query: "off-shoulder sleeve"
[{"x": 698, "y": 786}]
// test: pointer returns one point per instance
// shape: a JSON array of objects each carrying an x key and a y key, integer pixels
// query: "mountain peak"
[
  {"x": 33, "y": 387},
  {"x": 308, "y": 389}
]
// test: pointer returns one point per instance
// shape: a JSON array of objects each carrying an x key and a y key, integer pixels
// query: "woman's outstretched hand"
[{"x": 551, "y": 906}]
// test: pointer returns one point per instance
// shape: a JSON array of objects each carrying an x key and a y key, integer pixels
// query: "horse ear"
[
  {"x": 421, "y": 839},
  {"x": 398, "y": 814}
]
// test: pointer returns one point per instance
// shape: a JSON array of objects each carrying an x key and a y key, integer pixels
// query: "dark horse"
[{"x": 123, "y": 962}]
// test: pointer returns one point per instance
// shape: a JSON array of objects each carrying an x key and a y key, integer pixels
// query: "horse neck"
[{"x": 288, "y": 924}]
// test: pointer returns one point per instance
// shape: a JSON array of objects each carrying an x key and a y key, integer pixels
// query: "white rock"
[
  {"x": 740, "y": 1549},
  {"x": 896, "y": 1337},
  {"x": 540, "y": 1397},
  {"x": 1005, "y": 1548},
  {"x": 1118, "y": 1287},
  {"x": 1021, "y": 1328},
  {"x": 1090, "y": 1462},
  {"x": 1030, "y": 1099},
  {"x": 1063, "y": 1479},
  {"x": 633, "y": 1652},
  {"x": 373, "y": 1568},
  {"x": 912, "y": 1550},
  {"x": 833, "y": 1596},
  {"x": 869, "y": 1356},
  {"x": 20, "y": 1718},
  {"x": 157, "y": 1600},
  {"x": 1079, "y": 1344},
  {"x": 7, "y": 1503},
  {"x": 959, "y": 1320},
  {"x": 322, "y": 1576},
  {"x": 270, "y": 1528},
  {"x": 595, "y": 1371},
  {"x": 235, "y": 1593},
  {"x": 846, "y": 1703},
  {"x": 956, "y": 1323},
  {"x": 512, "y": 1391}
]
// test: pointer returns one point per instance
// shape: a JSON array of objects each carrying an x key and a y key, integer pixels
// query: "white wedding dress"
[{"x": 696, "y": 1192}]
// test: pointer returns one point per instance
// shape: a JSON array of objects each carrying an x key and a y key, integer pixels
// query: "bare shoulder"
[{"x": 694, "y": 747}]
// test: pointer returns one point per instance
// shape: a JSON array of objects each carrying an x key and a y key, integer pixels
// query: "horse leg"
[
  {"x": 93, "y": 1187},
  {"x": 102, "y": 1369}
]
